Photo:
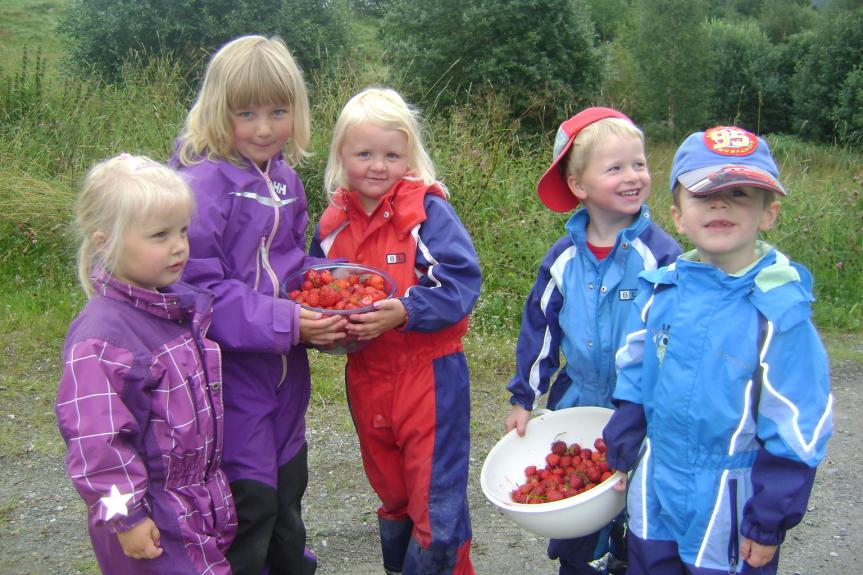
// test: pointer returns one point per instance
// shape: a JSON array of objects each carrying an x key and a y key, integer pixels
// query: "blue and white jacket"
[
  {"x": 579, "y": 306},
  {"x": 724, "y": 406}
]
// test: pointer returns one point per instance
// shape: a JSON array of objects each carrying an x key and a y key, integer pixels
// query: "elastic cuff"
[
  {"x": 135, "y": 516},
  {"x": 753, "y": 532}
]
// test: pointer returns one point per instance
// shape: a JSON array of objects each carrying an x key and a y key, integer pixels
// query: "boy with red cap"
[
  {"x": 586, "y": 283},
  {"x": 723, "y": 390}
]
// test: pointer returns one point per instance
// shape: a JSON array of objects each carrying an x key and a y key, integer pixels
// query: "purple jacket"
[
  {"x": 139, "y": 406},
  {"x": 247, "y": 237}
]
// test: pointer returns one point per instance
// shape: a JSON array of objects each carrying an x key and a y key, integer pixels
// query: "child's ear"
[
  {"x": 98, "y": 239},
  {"x": 768, "y": 216},
  {"x": 575, "y": 187},
  {"x": 677, "y": 218}
]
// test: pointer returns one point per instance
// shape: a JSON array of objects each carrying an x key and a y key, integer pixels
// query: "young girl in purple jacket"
[
  {"x": 139, "y": 404},
  {"x": 247, "y": 237}
]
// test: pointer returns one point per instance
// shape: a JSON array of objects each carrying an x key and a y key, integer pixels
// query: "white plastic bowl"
[{"x": 575, "y": 516}]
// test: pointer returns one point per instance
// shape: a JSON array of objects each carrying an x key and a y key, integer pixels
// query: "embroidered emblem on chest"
[
  {"x": 660, "y": 340},
  {"x": 396, "y": 258}
]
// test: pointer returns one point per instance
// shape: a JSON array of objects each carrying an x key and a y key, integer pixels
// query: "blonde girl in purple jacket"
[
  {"x": 248, "y": 126},
  {"x": 139, "y": 403}
]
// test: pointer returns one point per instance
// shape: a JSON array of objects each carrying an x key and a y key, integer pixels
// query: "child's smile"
[
  {"x": 374, "y": 159},
  {"x": 724, "y": 225}
]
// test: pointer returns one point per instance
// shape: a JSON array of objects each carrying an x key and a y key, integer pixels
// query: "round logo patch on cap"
[{"x": 730, "y": 141}]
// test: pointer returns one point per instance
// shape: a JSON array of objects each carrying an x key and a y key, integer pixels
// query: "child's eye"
[
  {"x": 363, "y": 155},
  {"x": 245, "y": 114},
  {"x": 281, "y": 112},
  {"x": 393, "y": 156}
]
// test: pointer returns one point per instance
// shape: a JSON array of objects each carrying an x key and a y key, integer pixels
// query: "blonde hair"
[
  {"x": 115, "y": 194},
  {"x": 588, "y": 138},
  {"x": 249, "y": 70},
  {"x": 385, "y": 108}
]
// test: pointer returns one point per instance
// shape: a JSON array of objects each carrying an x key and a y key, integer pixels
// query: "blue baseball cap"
[{"x": 724, "y": 157}]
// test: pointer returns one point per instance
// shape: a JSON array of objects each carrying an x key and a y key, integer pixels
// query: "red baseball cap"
[{"x": 552, "y": 188}]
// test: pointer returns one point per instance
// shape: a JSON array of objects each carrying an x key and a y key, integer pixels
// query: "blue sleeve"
[
  {"x": 629, "y": 359},
  {"x": 795, "y": 409},
  {"x": 448, "y": 269},
  {"x": 537, "y": 351},
  {"x": 781, "y": 489},
  {"x": 315, "y": 249},
  {"x": 623, "y": 435}
]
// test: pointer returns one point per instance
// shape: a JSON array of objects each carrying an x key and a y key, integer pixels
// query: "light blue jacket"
[
  {"x": 579, "y": 306},
  {"x": 734, "y": 384}
]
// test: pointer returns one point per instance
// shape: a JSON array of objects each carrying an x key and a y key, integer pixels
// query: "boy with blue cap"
[
  {"x": 584, "y": 288},
  {"x": 723, "y": 395}
]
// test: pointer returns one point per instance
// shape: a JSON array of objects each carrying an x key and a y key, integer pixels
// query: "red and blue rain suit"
[{"x": 408, "y": 390}]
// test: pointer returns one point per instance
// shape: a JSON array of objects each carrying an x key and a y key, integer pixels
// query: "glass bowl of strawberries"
[
  {"x": 554, "y": 481},
  {"x": 339, "y": 289}
]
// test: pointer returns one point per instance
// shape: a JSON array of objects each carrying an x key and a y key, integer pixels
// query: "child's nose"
[
  {"x": 181, "y": 245},
  {"x": 264, "y": 128},
  {"x": 717, "y": 199}
]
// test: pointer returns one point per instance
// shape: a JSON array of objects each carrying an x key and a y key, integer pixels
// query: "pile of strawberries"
[
  {"x": 569, "y": 470},
  {"x": 321, "y": 290}
]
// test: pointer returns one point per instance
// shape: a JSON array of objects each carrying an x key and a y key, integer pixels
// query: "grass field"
[{"x": 28, "y": 25}]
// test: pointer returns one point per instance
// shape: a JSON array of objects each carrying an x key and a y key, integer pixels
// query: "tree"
[
  {"x": 849, "y": 110},
  {"x": 104, "y": 33},
  {"x": 538, "y": 54},
  {"x": 670, "y": 47},
  {"x": 835, "y": 52},
  {"x": 747, "y": 90}
]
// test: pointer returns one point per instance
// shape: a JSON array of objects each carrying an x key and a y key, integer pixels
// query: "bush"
[
  {"x": 849, "y": 110},
  {"x": 668, "y": 43},
  {"x": 833, "y": 55},
  {"x": 747, "y": 91},
  {"x": 539, "y": 54},
  {"x": 105, "y": 33}
]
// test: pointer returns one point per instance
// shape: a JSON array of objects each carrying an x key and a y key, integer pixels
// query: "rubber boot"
[
  {"x": 256, "y": 516},
  {"x": 395, "y": 537}
]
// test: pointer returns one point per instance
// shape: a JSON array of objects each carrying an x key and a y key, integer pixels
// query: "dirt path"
[{"x": 44, "y": 532}]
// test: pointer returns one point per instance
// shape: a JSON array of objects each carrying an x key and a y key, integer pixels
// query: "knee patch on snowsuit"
[{"x": 256, "y": 515}]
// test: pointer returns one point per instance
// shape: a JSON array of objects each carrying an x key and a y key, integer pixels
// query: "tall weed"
[{"x": 488, "y": 163}]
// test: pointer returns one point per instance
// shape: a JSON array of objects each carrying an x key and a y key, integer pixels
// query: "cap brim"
[
  {"x": 710, "y": 179},
  {"x": 552, "y": 188}
]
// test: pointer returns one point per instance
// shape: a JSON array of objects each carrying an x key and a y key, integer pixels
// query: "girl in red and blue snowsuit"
[
  {"x": 247, "y": 237},
  {"x": 408, "y": 390},
  {"x": 139, "y": 403}
]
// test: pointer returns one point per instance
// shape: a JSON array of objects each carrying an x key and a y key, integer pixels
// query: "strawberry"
[
  {"x": 568, "y": 472},
  {"x": 558, "y": 447}
]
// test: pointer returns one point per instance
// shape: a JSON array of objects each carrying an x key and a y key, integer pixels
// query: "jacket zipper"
[
  {"x": 733, "y": 540},
  {"x": 202, "y": 357},
  {"x": 265, "y": 252}
]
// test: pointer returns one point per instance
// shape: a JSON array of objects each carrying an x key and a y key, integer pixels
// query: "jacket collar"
[
  {"x": 402, "y": 205},
  {"x": 177, "y": 302}
]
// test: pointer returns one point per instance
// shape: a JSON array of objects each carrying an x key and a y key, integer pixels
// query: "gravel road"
[{"x": 44, "y": 530}]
